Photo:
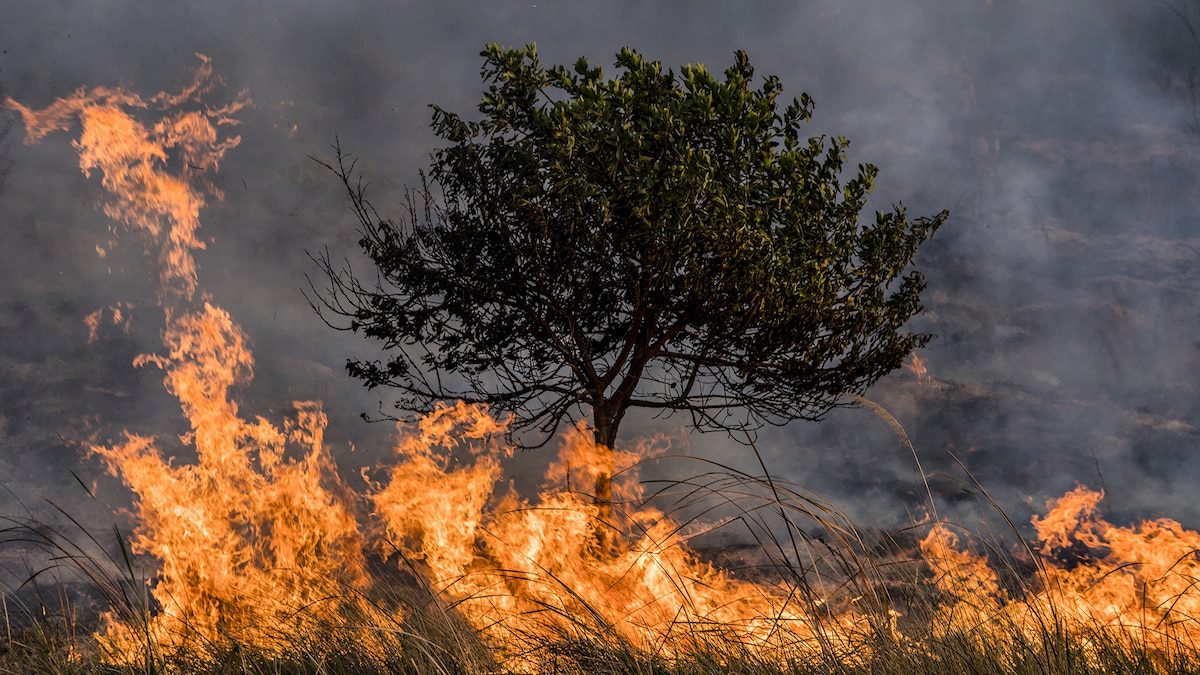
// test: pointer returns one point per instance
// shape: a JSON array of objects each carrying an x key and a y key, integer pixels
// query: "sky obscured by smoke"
[{"x": 1063, "y": 291}]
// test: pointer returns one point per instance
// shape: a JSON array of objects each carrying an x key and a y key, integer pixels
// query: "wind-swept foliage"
[{"x": 659, "y": 240}]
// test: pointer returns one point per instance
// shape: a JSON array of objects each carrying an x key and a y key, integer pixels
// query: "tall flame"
[
  {"x": 252, "y": 540},
  {"x": 523, "y": 570},
  {"x": 246, "y": 536}
]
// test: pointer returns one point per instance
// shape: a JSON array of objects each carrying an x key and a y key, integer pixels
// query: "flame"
[
  {"x": 246, "y": 536},
  {"x": 258, "y": 541},
  {"x": 523, "y": 570},
  {"x": 92, "y": 321},
  {"x": 917, "y": 367},
  {"x": 147, "y": 191},
  {"x": 1135, "y": 585},
  {"x": 119, "y": 315}
]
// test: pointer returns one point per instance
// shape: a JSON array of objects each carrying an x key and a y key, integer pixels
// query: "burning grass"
[
  {"x": 430, "y": 603},
  {"x": 257, "y": 557}
]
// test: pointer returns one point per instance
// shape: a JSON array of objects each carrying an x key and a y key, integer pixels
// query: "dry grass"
[{"x": 801, "y": 543}]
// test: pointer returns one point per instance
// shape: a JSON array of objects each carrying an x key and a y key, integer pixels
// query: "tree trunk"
[
  {"x": 603, "y": 489},
  {"x": 605, "y": 434}
]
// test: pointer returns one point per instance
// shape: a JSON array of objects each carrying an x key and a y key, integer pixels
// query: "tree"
[{"x": 651, "y": 240}]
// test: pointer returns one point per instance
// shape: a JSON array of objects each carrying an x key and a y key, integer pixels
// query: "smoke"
[{"x": 1060, "y": 135}]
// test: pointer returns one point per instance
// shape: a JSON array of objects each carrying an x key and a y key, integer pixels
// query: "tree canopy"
[{"x": 657, "y": 240}]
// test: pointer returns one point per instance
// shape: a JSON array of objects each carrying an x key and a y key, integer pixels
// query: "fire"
[
  {"x": 145, "y": 193},
  {"x": 1134, "y": 585},
  {"x": 917, "y": 367},
  {"x": 524, "y": 570},
  {"x": 119, "y": 315},
  {"x": 259, "y": 543},
  {"x": 247, "y": 536},
  {"x": 257, "y": 538}
]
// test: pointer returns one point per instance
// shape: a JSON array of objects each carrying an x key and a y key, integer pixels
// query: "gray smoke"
[{"x": 1063, "y": 292}]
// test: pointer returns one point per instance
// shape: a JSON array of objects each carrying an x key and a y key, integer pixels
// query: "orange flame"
[
  {"x": 119, "y": 315},
  {"x": 917, "y": 367},
  {"x": 521, "y": 569},
  {"x": 1135, "y": 585},
  {"x": 145, "y": 193},
  {"x": 252, "y": 542},
  {"x": 246, "y": 536}
]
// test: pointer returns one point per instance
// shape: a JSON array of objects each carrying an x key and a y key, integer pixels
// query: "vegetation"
[
  {"x": 896, "y": 598},
  {"x": 662, "y": 241},
  {"x": 46, "y": 651},
  {"x": 44, "y": 638},
  {"x": 265, "y": 561}
]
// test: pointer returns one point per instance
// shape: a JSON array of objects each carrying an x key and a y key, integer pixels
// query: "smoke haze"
[{"x": 1063, "y": 292}]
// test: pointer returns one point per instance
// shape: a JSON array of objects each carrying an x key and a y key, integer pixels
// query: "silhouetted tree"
[{"x": 653, "y": 240}]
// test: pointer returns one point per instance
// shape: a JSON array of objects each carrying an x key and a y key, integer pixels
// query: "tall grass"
[{"x": 803, "y": 546}]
